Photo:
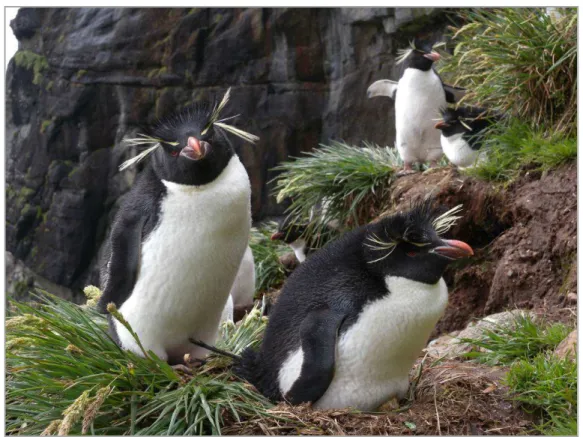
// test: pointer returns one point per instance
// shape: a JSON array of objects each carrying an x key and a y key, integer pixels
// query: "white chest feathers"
[
  {"x": 299, "y": 248},
  {"x": 458, "y": 151},
  {"x": 419, "y": 98},
  {"x": 375, "y": 355},
  {"x": 188, "y": 263}
]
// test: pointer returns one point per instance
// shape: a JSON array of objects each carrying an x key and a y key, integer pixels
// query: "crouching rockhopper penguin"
[{"x": 352, "y": 319}]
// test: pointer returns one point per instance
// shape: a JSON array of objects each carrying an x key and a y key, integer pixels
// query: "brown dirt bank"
[{"x": 524, "y": 237}]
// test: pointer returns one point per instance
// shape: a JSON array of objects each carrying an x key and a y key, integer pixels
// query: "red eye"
[
  {"x": 412, "y": 253},
  {"x": 174, "y": 153}
]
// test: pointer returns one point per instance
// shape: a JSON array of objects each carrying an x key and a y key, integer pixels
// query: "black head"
[
  {"x": 289, "y": 230},
  {"x": 190, "y": 155},
  {"x": 465, "y": 120},
  {"x": 421, "y": 55},
  {"x": 409, "y": 244}
]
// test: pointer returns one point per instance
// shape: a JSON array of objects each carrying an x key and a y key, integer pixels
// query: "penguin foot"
[
  {"x": 405, "y": 172},
  {"x": 194, "y": 362},
  {"x": 390, "y": 405},
  {"x": 182, "y": 368}
]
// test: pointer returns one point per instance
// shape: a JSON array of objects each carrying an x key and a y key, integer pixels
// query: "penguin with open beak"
[
  {"x": 419, "y": 95},
  {"x": 178, "y": 240},
  {"x": 352, "y": 319},
  {"x": 462, "y": 133}
]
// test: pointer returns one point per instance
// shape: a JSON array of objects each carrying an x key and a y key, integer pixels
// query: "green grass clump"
[
  {"x": 524, "y": 338},
  {"x": 269, "y": 272},
  {"x": 547, "y": 387},
  {"x": 65, "y": 375},
  {"x": 543, "y": 383},
  {"x": 521, "y": 61},
  {"x": 30, "y": 60},
  {"x": 350, "y": 181},
  {"x": 511, "y": 147}
]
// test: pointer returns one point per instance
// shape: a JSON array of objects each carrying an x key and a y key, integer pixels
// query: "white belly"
[
  {"x": 419, "y": 97},
  {"x": 375, "y": 355},
  {"x": 243, "y": 288},
  {"x": 458, "y": 151},
  {"x": 188, "y": 264}
]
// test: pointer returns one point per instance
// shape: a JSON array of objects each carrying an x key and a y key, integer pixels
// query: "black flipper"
[
  {"x": 122, "y": 266},
  {"x": 318, "y": 334},
  {"x": 453, "y": 94}
]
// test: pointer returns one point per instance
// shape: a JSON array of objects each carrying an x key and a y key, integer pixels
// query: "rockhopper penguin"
[
  {"x": 352, "y": 319},
  {"x": 292, "y": 233},
  {"x": 419, "y": 95},
  {"x": 178, "y": 239},
  {"x": 461, "y": 133}
]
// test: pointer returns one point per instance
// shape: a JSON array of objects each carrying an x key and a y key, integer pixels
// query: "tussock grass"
[
  {"x": 523, "y": 338},
  {"x": 521, "y": 61},
  {"x": 348, "y": 183},
  {"x": 65, "y": 375},
  {"x": 547, "y": 387},
  {"x": 543, "y": 383},
  {"x": 515, "y": 145},
  {"x": 269, "y": 272}
]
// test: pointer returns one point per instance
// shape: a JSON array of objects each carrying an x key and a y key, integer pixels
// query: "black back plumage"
[
  {"x": 471, "y": 121},
  {"x": 343, "y": 277}
]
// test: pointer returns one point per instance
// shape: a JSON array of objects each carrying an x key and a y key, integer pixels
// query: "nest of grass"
[{"x": 450, "y": 397}]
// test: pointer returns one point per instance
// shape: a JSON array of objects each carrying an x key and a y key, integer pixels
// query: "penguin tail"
[
  {"x": 251, "y": 368},
  {"x": 214, "y": 349},
  {"x": 247, "y": 366}
]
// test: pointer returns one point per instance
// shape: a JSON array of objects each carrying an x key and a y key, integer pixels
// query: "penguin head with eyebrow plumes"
[
  {"x": 191, "y": 155},
  {"x": 410, "y": 244},
  {"x": 462, "y": 133},
  {"x": 190, "y": 148},
  {"x": 420, "y": 55}
]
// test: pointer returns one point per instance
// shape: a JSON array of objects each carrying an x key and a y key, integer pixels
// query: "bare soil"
[{"x": 524, "y": 237}]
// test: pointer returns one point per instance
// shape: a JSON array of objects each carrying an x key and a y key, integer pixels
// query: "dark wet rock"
[{"x": 87, "y": 77}]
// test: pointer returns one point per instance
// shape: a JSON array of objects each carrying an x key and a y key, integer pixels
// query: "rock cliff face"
[{"x": 85, "y": 78}]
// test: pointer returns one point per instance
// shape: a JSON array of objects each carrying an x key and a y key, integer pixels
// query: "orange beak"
[
  {"x": 434, "y": 56},
  {"x": 194, "y": 144},
  {"x": 454, "y": 249},
  {"x": 441, "y": 125},
  {"x": 277, "y": 236}
]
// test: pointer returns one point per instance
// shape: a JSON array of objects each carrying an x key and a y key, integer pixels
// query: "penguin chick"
[
  {"x": 352, "y": 319},
  {"x": 419, "y": 98},
  {"x": 461, "y": 133},
  {"x": 177, "y": 241}
]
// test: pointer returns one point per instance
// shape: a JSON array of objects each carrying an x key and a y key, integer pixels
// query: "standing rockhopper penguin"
[
  {"x": 178, "y": 239},
  {"x": 352, "y": 319},
  {"x": 418, "y": 100}
]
